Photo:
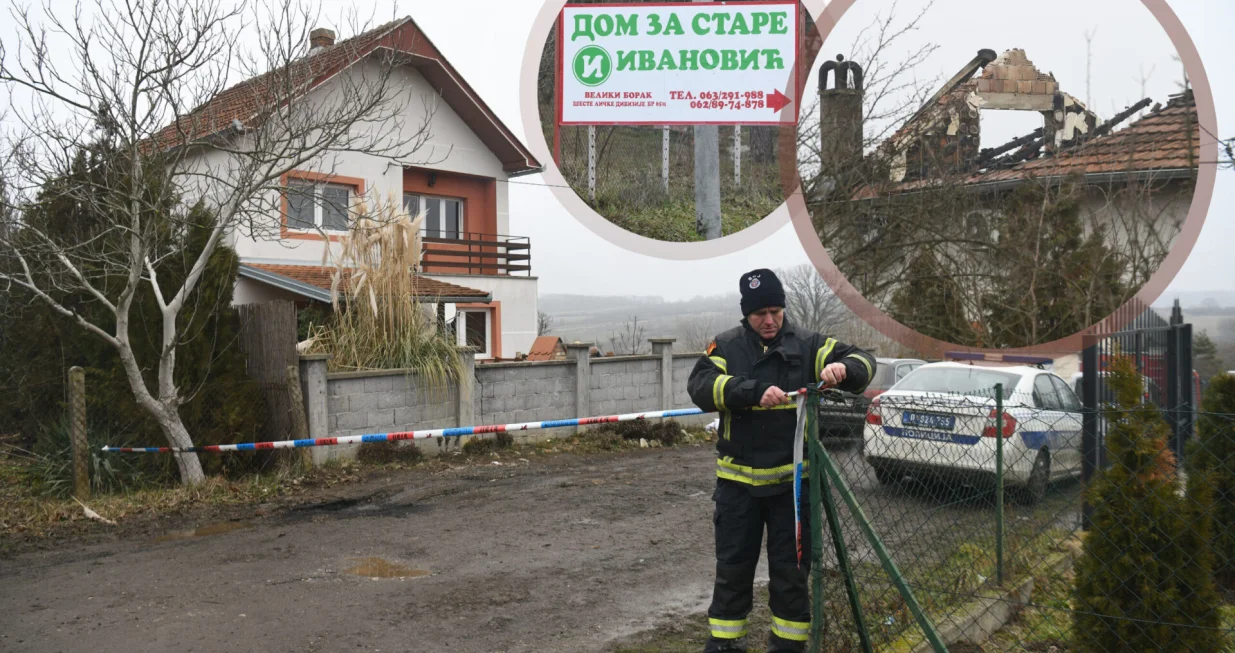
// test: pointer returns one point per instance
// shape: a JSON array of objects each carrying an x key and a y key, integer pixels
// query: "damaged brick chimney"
[
  {"x": 321, "y": 38},
  {"x": 840, "y": 116}
]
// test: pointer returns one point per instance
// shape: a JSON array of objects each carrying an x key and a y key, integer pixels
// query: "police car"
[{"x": 939, "y": 422}]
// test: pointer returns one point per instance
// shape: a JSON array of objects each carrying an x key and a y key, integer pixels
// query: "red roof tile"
[
  {"x": 544, "y": 348},
  {"x": 1169, "y": 138},
  {"x": 320, "y": 277}
]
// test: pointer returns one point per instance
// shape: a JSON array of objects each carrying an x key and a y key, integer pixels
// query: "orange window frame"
[{"x": 357, "y": 184}]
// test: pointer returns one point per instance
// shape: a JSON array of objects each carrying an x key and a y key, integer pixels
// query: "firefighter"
[{"x": 745, "y": 377}]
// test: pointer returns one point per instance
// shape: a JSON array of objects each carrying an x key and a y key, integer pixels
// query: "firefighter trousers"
[{"x": 740, "y": 519}]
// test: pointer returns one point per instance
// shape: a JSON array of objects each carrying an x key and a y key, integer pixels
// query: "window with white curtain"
[
  {"x": 443, "y": 215},
  {"x": 312, "y": 205}
]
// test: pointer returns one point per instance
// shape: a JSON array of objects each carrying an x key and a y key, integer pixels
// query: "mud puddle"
[{"x": 382, "y": 568}]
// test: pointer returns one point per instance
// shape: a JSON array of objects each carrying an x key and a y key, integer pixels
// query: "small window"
[
  {"x": 472, "y": 330},
  {"x": 1067, "y": 398},
  {"x": 1044, "y": 394},
  {"x": 903, "y": 370},
  {"x": 310, "y": 206}
]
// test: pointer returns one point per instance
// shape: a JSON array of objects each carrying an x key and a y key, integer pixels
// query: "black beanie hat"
[{"x": 760, "y": 289}]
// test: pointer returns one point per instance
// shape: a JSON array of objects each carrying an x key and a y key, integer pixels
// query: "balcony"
[{"x": 477, "y": 253}]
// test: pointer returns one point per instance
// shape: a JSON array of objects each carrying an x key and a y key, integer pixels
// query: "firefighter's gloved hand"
[
  {"x": 774, "y": 396},
  {"x": 833, "y": 374}
]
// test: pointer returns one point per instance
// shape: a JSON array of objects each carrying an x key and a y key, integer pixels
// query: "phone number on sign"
[{"x": 727, "y": 104}]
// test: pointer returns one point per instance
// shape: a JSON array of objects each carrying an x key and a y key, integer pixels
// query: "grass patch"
[
  {"x": 480, "y": 445},
  {"x": 28, "y": 511},
  {"x": 674, "y": 219},
  {"x": 387, "y": 453}
]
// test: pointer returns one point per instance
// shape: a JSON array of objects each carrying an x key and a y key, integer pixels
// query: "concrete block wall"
[
  {"x": 682, "y": 365},
  {"x": 625, "y": 384},
  {"x": 382, "y": 402},
  {"x": 500, "y": 393},
  {"x": 524, "y": 392}
]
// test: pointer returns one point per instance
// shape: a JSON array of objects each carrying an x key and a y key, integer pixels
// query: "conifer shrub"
[
  {"x": 1213, "y": 453},
  {"x": 1144, "y": 581}
]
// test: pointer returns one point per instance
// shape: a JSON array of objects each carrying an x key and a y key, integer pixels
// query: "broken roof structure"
[{"x": 941, "y": 141}]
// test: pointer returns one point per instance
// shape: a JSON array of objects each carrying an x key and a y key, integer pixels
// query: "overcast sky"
[
  {"x": 486, "y": 40},
  {"x": 1127, "y": 41}
]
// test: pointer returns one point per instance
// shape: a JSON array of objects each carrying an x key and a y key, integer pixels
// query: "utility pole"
[{"x": 707, "y": 179}]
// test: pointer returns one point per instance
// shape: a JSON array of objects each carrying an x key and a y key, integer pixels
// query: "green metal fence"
[{"x": 953, "y": 523}]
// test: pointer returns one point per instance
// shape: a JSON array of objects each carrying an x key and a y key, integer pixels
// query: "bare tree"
[
  {"x": 136, "y": 80},
  {"x": 544, "y": 323},
  {"x": 629, "y": 340},
  {"x": 696, "y": 332},
  {"x": 810, "y": 303}
]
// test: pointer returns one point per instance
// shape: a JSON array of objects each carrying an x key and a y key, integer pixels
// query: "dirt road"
[{"x": 565, "y": 553}]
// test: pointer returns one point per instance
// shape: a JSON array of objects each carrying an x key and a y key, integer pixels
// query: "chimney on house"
[
  {"x": 840, "y": 117},
  {"x": 321, "y": 38}
]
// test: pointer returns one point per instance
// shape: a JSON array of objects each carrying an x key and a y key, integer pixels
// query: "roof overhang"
[{"x": 310, "y": 291}]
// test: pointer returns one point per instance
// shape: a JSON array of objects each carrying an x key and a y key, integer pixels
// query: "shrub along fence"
[{"x": 956, "y": 525}]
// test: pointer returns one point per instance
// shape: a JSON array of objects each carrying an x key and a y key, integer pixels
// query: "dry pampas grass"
[{"x": 379, "y": 320}]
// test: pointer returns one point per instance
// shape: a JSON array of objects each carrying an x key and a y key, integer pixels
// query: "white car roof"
[{"x": 1014, "y": 369}]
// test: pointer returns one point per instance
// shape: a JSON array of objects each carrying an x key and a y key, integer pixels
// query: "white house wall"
[
  {"x": 451, "y": 147},
  {"x": 518, "y": 304},
  {"x": 250, "y": 291}
]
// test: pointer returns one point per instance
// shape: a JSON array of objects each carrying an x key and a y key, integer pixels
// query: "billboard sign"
[{"x": 681, "y": 63}]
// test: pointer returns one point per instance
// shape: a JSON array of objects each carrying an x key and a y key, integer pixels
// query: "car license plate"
[{"x": 929, "y": 420}]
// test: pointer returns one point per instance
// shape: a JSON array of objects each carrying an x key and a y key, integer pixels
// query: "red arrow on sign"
[{"x": 777, "y": 101}]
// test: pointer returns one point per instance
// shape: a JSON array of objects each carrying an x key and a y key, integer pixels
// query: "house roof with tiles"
[{"x": 244, "y": 103}]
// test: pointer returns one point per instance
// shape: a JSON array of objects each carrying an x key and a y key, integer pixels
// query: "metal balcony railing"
[{"x": 477, "y": 253}]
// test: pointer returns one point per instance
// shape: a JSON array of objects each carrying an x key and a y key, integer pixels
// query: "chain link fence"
[{"x": 954, "y": 520}]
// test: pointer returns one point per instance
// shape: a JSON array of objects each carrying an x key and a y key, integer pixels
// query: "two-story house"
[{"x": 477, "y": 274}]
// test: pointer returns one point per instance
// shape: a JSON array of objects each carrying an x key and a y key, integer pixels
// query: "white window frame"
[
  {"x": 462, "y": 316},
  {"x": 423, "y": 205},
  {"x": 318, "y": 213}
]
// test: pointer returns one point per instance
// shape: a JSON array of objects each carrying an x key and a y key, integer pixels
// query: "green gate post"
[
  {"x": 815, "y": 474},
  {"x": 885, "y": 558},
  {"x": 820, "y": 489},
  {"x": 999, "y": 519}
]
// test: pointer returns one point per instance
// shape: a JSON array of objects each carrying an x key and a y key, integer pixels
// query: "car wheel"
[{"x": 1035, "y": 490}]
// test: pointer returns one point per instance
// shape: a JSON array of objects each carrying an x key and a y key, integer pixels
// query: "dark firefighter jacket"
[{"x": 755, "y": 444}]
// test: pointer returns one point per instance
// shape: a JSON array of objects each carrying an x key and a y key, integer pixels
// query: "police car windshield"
[{"x": 961, "y": 380}]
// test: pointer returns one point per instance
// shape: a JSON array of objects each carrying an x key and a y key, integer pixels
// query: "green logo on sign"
[{"x": 592, "y": 65}]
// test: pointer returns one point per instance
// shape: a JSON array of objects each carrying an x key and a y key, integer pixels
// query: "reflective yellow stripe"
[
  {"x": 797, "y": 631},
  {"x": 728, "y": 470},
  {"x": 728, "y": 415},
  {"x": 720, "y": 362},
  {"x": 718, "y": 391},
  {"x": 727, "y": 628},
  {"x": 781, "y": 407},
  {"x": 869, "y": 372},
  {"x": 822, "y": 355}
]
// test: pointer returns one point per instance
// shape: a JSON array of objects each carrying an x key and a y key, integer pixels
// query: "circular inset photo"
[
  {"x": 1001, "y": 180},
  {"x": 667, "y": 118}
]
